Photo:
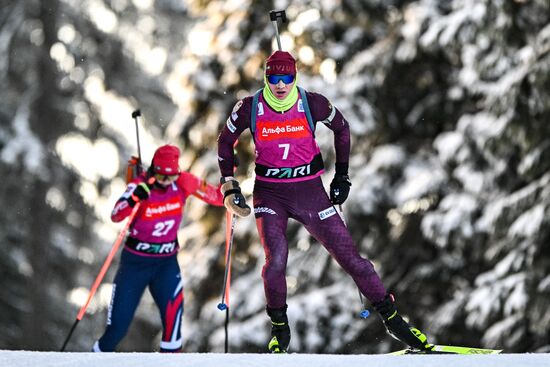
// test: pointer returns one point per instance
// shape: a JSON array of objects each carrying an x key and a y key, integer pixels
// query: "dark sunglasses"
[
  {"x": 275, "y": 79},
  {"x": 161, "y": 177}
]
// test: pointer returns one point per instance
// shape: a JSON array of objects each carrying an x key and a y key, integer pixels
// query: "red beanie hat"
[
  {"x": 280, "y": 62},
  {"x": 165, "y": 160}
]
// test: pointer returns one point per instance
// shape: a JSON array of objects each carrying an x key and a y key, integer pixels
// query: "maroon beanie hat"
[
  {"x": 280, "y": 62},
  {"x": 165, "y": 160}
]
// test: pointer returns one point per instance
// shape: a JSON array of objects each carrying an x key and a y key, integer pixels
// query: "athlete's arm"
[
  {"x": 122, "y": 207},
  {"x": 195, "y": 186},
  {"x": 236, "y": 123},
  {"x": 323, "y": 111}
]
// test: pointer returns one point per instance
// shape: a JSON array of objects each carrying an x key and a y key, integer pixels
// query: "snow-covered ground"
[{"x": 46, "y": 359}]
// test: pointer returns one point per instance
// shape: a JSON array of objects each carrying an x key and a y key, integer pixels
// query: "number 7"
[{"x": 286, "y": 147}]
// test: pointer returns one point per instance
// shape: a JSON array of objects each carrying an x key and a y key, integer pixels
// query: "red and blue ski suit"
[
  {"x": 149, "y": 258},
  {"x": 288, "y": 185}
]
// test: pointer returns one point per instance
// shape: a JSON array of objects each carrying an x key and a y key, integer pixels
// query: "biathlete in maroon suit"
[
  {"x": 282, "y": 119},
  {"x": 149, "y": 257}
]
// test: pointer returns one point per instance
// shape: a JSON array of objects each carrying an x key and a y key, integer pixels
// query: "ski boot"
[
  {"x": 399, "y": 328},
  {"x": 280, "y": 331}
]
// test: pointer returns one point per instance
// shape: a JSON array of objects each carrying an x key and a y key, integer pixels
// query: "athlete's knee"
[
  {"x": 360, "y": 267},
  {"x": 275, "y": 266}
]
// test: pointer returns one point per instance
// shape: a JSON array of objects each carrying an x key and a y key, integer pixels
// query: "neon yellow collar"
[{"x": 280, "y": 105}]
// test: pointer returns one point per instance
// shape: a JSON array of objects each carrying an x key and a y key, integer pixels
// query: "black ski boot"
[
  {"x": 399, "y": 328},
  {"x": 280, "y": 331}
]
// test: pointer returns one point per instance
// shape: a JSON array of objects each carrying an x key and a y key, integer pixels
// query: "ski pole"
[
  {"x": 226, "y": 330},
  {"x": 364, "y": 312},
  {"x": 135, "y": 116},
  {"x": 102, "y": 272},
  {"x": 274, "y": 15},
  {"x": 229, "y": 233},
  {"x": 224, "y": 304}
]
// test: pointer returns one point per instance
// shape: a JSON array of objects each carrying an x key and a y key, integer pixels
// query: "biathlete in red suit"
[
  {"x": 288, "y": 185},
  {"x": 149, "y": 257}
]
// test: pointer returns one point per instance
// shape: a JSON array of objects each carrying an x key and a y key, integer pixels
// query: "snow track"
[{"x": 56, "y": 359}]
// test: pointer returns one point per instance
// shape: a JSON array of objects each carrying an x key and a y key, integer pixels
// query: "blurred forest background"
[{"x": 449, "y": 107}]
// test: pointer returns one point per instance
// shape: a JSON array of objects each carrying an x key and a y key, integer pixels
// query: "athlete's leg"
[
  {"x": 167, "y": 291},
  {"x": 323, "y": 222},
  {"x": 129, "y": 284},
  {"x": 329, "y": 229},
  {"x": 272, "y": 220}
]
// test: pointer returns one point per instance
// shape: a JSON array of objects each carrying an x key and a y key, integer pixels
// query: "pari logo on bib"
[{"x": 291, "y": 129}]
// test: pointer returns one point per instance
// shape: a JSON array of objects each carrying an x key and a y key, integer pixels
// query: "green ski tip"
[{"x": 449, "y": 349}]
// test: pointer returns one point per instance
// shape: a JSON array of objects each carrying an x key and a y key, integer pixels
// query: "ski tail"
[{"x": 449, "y": 349}]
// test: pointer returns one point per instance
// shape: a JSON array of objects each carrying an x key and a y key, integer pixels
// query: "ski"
[{"x": 448, "y": 349}]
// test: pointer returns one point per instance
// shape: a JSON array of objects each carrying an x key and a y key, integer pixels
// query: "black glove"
[
  {"x": 140, "y": 193},
  {"x": 339, "y": 189},
  {"x": 233, "y": 199}
]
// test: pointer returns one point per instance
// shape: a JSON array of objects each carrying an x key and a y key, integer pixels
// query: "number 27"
[{"x": 162, "y": 228}]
